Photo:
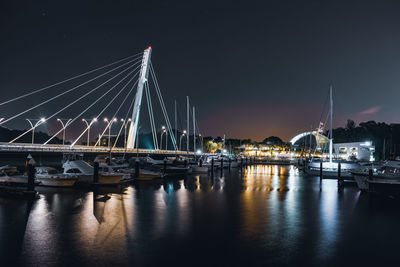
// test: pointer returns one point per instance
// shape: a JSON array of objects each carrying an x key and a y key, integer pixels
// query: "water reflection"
[{"x": 267, "y": 210}]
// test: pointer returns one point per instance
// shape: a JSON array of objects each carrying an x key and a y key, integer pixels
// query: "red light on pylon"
[{"x": 149, "y": 47}]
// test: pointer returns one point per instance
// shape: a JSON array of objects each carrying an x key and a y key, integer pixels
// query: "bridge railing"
[{"x": 26, "y": 147}]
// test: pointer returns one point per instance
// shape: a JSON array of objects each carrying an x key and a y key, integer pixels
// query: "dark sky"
[{"x": 252, "y": 69}]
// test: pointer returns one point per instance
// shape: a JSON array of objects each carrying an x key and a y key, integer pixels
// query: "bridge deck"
[{"x": 24, "y": 147}]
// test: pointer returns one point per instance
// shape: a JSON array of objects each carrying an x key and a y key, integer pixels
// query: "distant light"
[
  {"x": 122, "y": 119},
  {"x": 114, "y": 119},
  {"x": 184, "y": 131},
  {"x": 42, "y": 119},
  {"x": 105, "y": 119},
  {"x": 163, "y": 127},
  {"x": 224, "y": 150},
  {"x": 94, "y": 119},
  {"x": 149, "y": 47},
  {"x": 198, "y": 152}
]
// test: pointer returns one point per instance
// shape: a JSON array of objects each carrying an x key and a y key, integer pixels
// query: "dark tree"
[{"x": 273, "y": 140}]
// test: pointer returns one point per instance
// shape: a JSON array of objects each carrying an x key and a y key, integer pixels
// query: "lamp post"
[
  {"x": 163, "y": 131},
  {"x": 180, "y": 140},
  {"x": 161, "y": 135},
  {"x": 166, "y": 140},
  {"x": 42, "y": 120},
  {"x": 64, "y": 126},
  {"x": 109, "y": 129},
  {"x": 126, "y": 124},
  {"x": 88, "y": 125}
]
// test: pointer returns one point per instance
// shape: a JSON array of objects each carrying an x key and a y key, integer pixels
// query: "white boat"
[
  {"x": 84, "y": 173},
  {"x": 330, "y": 168},
  {"x": 11, "y": 175},
  {"x": 387, "y": 176},
  {"x": 48, "y": 176},
  {"x": 121, "y": 170}
]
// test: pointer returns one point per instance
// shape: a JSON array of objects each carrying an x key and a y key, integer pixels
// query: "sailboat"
[{"x": 330, "y": 168}]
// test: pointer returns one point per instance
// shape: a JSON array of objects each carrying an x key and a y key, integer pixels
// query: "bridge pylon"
[{"x": 144, "y": 73}]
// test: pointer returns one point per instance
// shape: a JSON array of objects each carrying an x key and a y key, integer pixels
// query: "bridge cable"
[
  {"x": 65, "y": 92},
  {"x": 151, "y": 116},
  {"x": 153, "y": 75},
  {"x": 91, "y": 105},
  {"x": 98, "y": 141},
  {"x": 54, "y": 114},
  {"x": 112, "y": 100},
  {"x": 69, "y": 79},
  {"x": 127, "y": 114}
]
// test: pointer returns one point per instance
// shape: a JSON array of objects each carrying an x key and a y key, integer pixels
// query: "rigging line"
[
  {"x": 112, "y": 100},
  {"x": 98, "y": 99},
  {"x": 63, "y": 93},
  {"x": 318, "y": 140},
  {"x": 152, "y": 124},
  {"x": 323, "y": 108},
  {"x": 162, "y": 105},
  {"x": 67, "y": 80}
]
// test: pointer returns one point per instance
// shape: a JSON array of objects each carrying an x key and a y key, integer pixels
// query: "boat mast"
[
  {"x": 176, "y": 123},
  {"x": 330, "y": 126},
  {"x": 194, "y": 131},
  {"x": 187, "y": 123}
]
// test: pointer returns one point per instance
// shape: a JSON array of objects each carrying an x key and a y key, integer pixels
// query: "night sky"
[{"x": 252, "y": 69}]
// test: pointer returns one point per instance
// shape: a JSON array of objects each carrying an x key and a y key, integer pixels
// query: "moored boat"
[{"x": 48, "y": 176}]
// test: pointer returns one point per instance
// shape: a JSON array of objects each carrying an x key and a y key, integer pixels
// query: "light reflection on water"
[{"x": 271, "y": 214}]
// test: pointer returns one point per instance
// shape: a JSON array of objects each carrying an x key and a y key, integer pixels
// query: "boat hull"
[{"x": 54, "y": 182}]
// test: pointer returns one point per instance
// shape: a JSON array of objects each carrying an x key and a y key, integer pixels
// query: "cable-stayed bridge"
[{"x": 110, "y": 89}]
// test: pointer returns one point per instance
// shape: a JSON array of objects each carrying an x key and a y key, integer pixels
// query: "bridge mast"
[{"x": 144, "y": 73}]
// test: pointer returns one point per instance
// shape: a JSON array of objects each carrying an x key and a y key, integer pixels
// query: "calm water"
[{"x": 272, "y": 215}]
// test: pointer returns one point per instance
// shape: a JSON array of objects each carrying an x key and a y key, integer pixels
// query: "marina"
[{"x": 199, "y": 133}]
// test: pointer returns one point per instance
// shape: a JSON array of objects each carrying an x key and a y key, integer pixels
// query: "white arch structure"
[{"x": 320, "y": 138}]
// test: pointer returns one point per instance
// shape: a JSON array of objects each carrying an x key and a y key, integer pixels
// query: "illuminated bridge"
[{"x": 116, "y": 88}]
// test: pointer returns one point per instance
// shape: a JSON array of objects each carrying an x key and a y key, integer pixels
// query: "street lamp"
[
  {"x": 163, "y": 131},
  {"x": 109, "y": 129},
  {"x": 42, "y": 120},
  {"x": 180, "y": 140},
  {"x": 64, "y": 126},
  {"x": 126, "y": 125},
  {"x": 166, "y": 140},
  {"x": 88, "y": 125}
]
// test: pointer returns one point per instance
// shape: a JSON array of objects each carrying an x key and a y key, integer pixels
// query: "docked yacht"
[
  {"x": 84, "y": 172},
  {"x": 48, "y": 176},
  {"x": 386, "y": 176},
  {"x": 11, "y": 175},
  {"x": 158, "y": 165},
  {"x": 330, "y": 168}
]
